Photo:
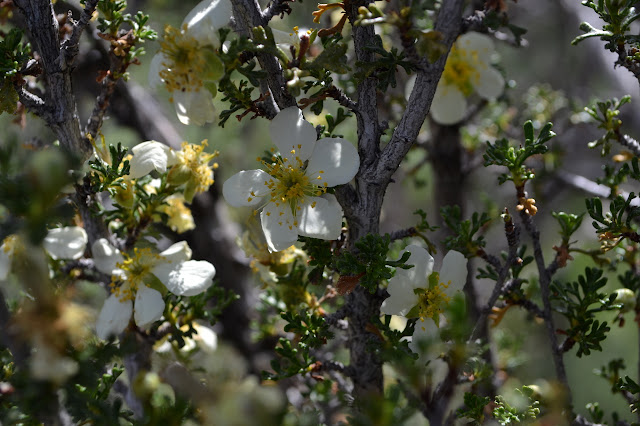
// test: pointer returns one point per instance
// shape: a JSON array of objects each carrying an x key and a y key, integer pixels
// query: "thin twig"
[{"x": 70, "y": 46}]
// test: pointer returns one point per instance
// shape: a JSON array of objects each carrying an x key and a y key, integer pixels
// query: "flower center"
[
  {"x": 137, "y": 269},
  {"x": 461, "y": 69},
  {"x": 197, "y": 161},
  {"x": 432, "y": 301},
  {"x": 291, "y": 183},
  {"x": 185, "y": 61}
]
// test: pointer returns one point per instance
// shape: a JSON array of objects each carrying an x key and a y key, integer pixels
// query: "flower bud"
[{"x": 627, "y": 298}]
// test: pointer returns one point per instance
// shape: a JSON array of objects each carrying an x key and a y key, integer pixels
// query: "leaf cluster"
[
  {"x": 104, "y": 175},
  {"x": 501, "y": 153},
  {"x": 618, "y": 16},
  {"x": 112, "y": 18},
  {"x": 606, "y": 113},
  {"x": 619, "y": 220},
  {"x": 569, "y": 223},
  {"x": 13, "y": 55},
  {"x": 579, "y": 301},
  {"x": 369, "y": 261},
  {"x": 473, "y": 408},
  {"x": 311, "y": 331},
  {"x": 464, "y": 232},
  {"x": 628, "y": 385},
  {"x": 505, "y": 414},
  {"x": 384, "y": 66}
]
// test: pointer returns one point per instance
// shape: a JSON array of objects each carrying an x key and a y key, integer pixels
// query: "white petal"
[
  {"x": 177, "y": 252},
  {"x": 454, "y": 271},
  {"x": 149, "y": 156},
  {"x": 114, "y": 317},
  {"x": 106, "y": 256},
  {"x": 238, "y": 188},
  {"x": 480, "y": 45},
  {"x": 66, "y": 243},
  {"x": 148, "y": 307},
  {"x": 425, "y": 335},
  {"x": 190, "y": 278},
  {"x": 194, "y": 107},
  {"x": 286, "y": 37},
  {"x": 337, "y": 158},
  {"x": 490, "y": 84},
  {"x": 323, "y": 221},
  {"x": 278, "y": 227},
  {"x": 291, "y": 132},
  {"x": 155, "y": 67},
  {"x": 5, "y": 261},
  {"x": 206, "y": 18},
  {"x": 401, "y": 296},
  {"x": 449, "y": 105},
  {"x": 423, "y": 266},
  {"x": 206, "y": 337}
]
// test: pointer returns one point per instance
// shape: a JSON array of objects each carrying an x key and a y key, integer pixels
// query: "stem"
[{"x": 545, "y": 281}]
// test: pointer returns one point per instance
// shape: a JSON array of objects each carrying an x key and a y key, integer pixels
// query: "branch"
[
  {"x": 59, "y": 99},
  {"x": 545, "y": 281},
  {"x": 449, "y": 24},
  {"x": 70, "y": 46},
  {"x": 247, "y": 16}
]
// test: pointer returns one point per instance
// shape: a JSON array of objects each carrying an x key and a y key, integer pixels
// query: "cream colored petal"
[
  {"x": 490, "y": 84},
  {"x": 194, "y": 107},
  {"x": 68, "y": 242},
  {"x": 5, "y": 261},
  {"x": 149, "y": 306},
  {"x": 454, "y": 272},
  {"x": 246, "y": 188},
  {"x": 106, "y": 257},
  {"x": 149, "y": 156},
  {"x": 155, "y": 67},
  {"x": 206, "y": 18},
  {"x": 449, "y": 105},
  {"x": 190, "y": 278},
  {"x": 401, "y": 296},
  {"x": 292, "y": 134},
  {"x": 478, "y": 43},
  {"x": 114, "y": 317},
  {"x": 321, "y": 217},
  {"x": 278, "y": 226},
  {"x": 177, "y": 252},
  {"x": 334, "y": 161}
]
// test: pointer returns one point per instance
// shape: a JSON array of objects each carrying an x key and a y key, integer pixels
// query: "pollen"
[
  {"x": 185, "y": 61},
  {"x": 461, "y": 69},
  {"x": 137, "y": 268}
]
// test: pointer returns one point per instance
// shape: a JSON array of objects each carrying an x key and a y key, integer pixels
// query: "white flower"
[
  {"x": 172, "y": 267},
  {"x": 187, "y": 64},
  {"x": 291, "y": 192},
  {"x": 61, "y": 243},
  {"x": 420, "y": 292},
  {"x": 468, "y": 70}
]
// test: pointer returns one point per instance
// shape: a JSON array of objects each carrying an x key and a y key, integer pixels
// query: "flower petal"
[
  {"x": 480, "y": 45},
  {"x": 194, "y": 107},
  {"x": 148, "y": 306},
  {"x": 66, "y": 243},
  {"x": 206, "y": 18},
  {"x": 149, "y": 156},
  {"x": 337, "y": 158},
  {"x": 291, "y": 132},
  {"x": 449, "y": 105},
  {"x": 454, "y": 271},
  {"x": 5, "y": 261},
  {"x": 423, "y": 266},
  {"x": 323, "y": 221},
  {"x": 401, "y": 296},
  {"x": 491, "y": 83},
  {"x": 237, "y": 190},
  {"x": 106, "y": 257},
  {"x": 190, "y": 278},
  {"x": 114, "y": 317},
  {"x": 154, "y": 69},
  {"x": 278, "y": 227},
  {"x": 178, "y": 252}
]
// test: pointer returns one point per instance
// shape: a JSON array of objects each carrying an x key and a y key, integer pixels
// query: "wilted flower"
[{"x": 292, "y": 190}]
